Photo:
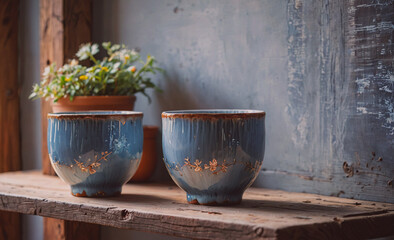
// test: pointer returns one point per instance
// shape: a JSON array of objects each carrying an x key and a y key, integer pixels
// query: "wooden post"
[
  {"x": 10, "y": 223},
  {"x": 62, "y": 229},
  {"x": 64, "y": 25}
]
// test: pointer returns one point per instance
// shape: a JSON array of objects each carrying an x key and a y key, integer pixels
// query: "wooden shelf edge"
[{"x": 162, "y": 209}]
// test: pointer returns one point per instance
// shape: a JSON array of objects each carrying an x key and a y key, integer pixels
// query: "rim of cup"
[
  {"x": 214, "y": 113},
  {"x": 95, "y": 114}
]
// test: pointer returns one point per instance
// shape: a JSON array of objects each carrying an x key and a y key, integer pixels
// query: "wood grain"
[
  {"x": 64, "y": 25},
  {"x": 77, "y": 26},
  {"x": 54, "y": 229},
  {"x": 61, "y": 229},
  {"x": 9, "y": 90},
  {"x": 263, "y": 214},
  {"x": 10, "y": 226},
  {"x": 340, "y": 112},
  {"x": 51, "y": 50},
  {"x": 10, "y": 160}
]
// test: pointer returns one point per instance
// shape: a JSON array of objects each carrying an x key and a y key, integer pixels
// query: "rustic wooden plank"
[
  {"x": 163, "y": 209},
  {"x": 339, "y": 120},
  {"x": 51, "y": 50},
  {"x": 370, "y": 44},
  {"x": 54, "y": 228},
  {"x": 10, "y": 223},
  {"x": 64, "y": 26},
  {"x": 9, "y": 90},
  {"x": 77, "y": 26},
  {"x": 61, "y": 229}
]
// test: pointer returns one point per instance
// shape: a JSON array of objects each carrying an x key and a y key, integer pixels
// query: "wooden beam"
[
  {"x": 51, "y": 50},
  {"x": 62, "y": 229},
  {"x": 9, "y": 90},
  {"x": 64, "y": 25},
  {"x": 10, "y": 223}
]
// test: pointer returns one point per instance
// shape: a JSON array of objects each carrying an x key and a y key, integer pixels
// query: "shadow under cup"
[{"x": 214, "y": 155}]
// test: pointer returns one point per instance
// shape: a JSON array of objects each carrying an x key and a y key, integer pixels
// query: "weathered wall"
[
  {"x": 218, "y": 54},
  {"x": 322, "y": 70},
  {"x": 340, "y": 100}
]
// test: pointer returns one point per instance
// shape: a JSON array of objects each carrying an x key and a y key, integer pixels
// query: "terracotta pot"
[
  {"x": 92, "y": 103},
  {"x": 149, "y": 155}
]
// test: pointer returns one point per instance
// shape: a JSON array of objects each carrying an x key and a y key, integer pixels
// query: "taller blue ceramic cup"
[
  {"x": 214, "y": 155},
  {"x": 95, "y": 152}
]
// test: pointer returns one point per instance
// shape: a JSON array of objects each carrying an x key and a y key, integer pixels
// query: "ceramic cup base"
[
  {"x": 78, "y": 191},
  {"x": 216, "y": 199}
]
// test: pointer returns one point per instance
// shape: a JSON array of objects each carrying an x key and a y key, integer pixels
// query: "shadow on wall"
[
  {"x": 160, "y": 174},
  {"x": 181, "y": 92},
  {"x": 176, "y": 97}
]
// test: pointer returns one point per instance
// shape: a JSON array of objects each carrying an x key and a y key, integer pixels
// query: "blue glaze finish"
[
  {"x": 95, "y": 152},
  {"x": 213, "y": 155}
]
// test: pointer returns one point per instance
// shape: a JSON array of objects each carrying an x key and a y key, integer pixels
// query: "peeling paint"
[
  {"x": 362, "y": 84},
  {"x": 296, "y": 107},
  {"x": 362, "y": 110},
  {"x": 372, "y": 48},
  {"x": 386, "y": 89}
]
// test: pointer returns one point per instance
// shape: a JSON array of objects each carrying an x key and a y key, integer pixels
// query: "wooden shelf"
[{"x": 163, "y": 209}]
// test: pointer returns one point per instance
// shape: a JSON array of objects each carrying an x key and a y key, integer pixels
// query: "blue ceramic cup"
[
  {"x": 213, "y": 155},
  {"x": 95, "y": 152}
]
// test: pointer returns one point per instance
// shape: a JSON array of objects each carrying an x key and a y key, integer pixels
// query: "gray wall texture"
[{"x": 322, "y": 70}]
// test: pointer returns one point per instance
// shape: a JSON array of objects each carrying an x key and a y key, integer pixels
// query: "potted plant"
[{"x": 107, "y": 83}]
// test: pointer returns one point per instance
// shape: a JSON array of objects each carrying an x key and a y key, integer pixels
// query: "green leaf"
[
  {"x": 94, "y": 49},
  {"x": 119, "y": 80},
  {"x": 33, "y": 95},
  {"x": 117, "y": 65},
  {"x": 106, "y": 45},
  {"x": 146, "y": 95},
  {"x": 115, "y": 47},
  {"x": 83, "y": 52}
]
